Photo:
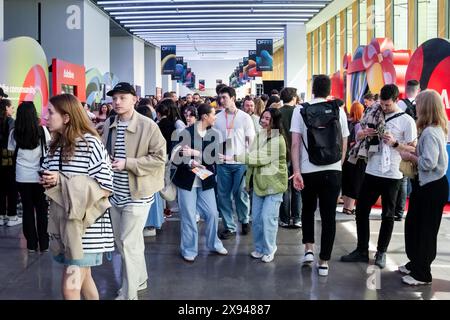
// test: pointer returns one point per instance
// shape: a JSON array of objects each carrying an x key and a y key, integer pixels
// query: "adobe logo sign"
[
  {"x": 24, "y": 72},
  {"x": 430, "y": 64}
]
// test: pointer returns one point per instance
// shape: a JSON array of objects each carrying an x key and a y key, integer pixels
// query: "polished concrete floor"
[{"x": 236, "y": 276}]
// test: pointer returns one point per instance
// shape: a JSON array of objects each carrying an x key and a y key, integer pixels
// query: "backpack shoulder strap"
[
  {"x": 395, "y": 116},
  {"x": 43, "y": 143}
]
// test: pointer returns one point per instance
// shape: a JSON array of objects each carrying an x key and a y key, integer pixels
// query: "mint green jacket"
[{"x": 266, "y": 162}]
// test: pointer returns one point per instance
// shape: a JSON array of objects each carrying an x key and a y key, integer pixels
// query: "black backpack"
[
  {"x": 324, "y": 132},
  {"x": 410, "y": 108}
]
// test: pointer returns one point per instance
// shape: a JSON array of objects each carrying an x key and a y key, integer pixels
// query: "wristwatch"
[{"x": 395, "y": 145}]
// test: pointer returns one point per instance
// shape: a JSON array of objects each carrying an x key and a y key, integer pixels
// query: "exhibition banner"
[
  {"x": 201, "y": 85},
  {"x": 168, "y": 59},
  {"x": 179, "y": 69},
  {"x": 264, "y": 54}
]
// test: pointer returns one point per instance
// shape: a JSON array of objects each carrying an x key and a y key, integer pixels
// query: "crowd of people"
[{"x": 267, "y": 160}]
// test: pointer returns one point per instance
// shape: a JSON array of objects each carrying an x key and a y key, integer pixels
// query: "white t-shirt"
[
  {"x": 240, "y": 125},
  {"x": 403, "y": 128},
  {"x": 403, "y": 105},
  {"x": 298, "y": 126},
  {"x": 27, "y": 165}
]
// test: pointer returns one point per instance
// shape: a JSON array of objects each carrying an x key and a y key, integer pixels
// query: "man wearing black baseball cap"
[
  {"x": 2, "y": 94},
  {"x": 122, "y": 87},
  {"x": 138, "y": 152}
]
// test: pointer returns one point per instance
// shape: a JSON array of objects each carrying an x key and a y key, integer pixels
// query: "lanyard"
[{"x": 232, "y": 122}]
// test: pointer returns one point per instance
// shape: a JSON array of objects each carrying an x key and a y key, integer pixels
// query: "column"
[
  {"x": 1, "y": 20},
  {"x": 166, "y": 83},
  {"x": 295, "y": 62},
  {"x": 152, "y": 69}
]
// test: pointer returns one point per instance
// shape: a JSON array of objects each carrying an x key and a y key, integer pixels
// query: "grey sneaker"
[{"x": 380, "y": 259}]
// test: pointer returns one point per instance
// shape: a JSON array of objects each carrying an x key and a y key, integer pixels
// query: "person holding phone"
[
  {"x": 197, "y": 150},
  {"x": 29, "y": 142}
]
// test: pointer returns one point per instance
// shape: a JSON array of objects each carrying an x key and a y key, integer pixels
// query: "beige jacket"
[
  {"x": 146, "y": 154},
  {"x": 76, "y": 203}
]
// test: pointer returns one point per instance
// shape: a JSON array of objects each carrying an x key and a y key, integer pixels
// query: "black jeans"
[
  {"x": 325, "y": 186},
  {"x": 8, "y": 191},
  {"x": 34, "y": 228},
  {"x": 373, "y": 187},
  {"x": 291, "y": 207},
  {"x": 422, "y": 224}
]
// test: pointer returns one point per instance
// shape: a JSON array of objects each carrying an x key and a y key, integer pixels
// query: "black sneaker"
[
  {"x": 398, "y": 218},
  {"x": 227, "y": 234},
  {"x": 356, "y": 256},
  {"x": 380, "y": 259},
  {"x": 245, "y": 228}
]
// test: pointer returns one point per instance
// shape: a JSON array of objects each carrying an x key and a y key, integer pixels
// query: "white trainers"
[
  {"x": 189, "y": 259},
  {"x": 149, "y": 232},
  {"x": 322, "y": 270},
  {"x": 308, "y": 258},
  {"x": 283, "y": 224},
  {"x": 3, "y": 220},
  {"x": 413, "y": 282},
  {"x": 14, "y": 221},
  {"x": 298, "y": 224},
  {"x": 222, "y": 252},
  {"x": 269, "y": 257},
  {"x": 256, "y": 255},
  {"x": 141, "y": 287},
  {"x": 404, "y": 270}
]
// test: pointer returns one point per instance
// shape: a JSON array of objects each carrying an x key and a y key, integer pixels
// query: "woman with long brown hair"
[
  {"x": 429, "y": 188},
  {"x": 76, "y": 149}
]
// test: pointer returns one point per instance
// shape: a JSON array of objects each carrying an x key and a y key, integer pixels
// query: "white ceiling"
[{"x": 210, "y": 29}]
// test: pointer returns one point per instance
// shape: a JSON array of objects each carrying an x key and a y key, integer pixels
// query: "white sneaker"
[
  {"x": 141, "y": 287},
  {"x": 322, "y": 270},
  {"x": 413, "y": 282},
  {"x": 222, "y": 252},
  {"x": 121, "y": 297},
  {"x": 3, "y": 220},
  {"x": 149, "y": 232},
  {"x": 404, "y": 270},
  {"x": 14, "y": 221},
  {"x": 283, "y": 224},
  {"x": 298, "y": 224},
  {"x": 269, "y": 257},
  {"x": 308, "y": 258},
  {"x": 256, "y": 255},
  {"x": 189, "y": 259}
]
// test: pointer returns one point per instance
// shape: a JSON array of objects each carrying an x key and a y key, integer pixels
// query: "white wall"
[
  {"x": 139, "y": 64},
  {"x": 1, "y": 20},
  {"x": 122, "y": 65},
  {"x": 295, "y": 62},
  {"x": 96, "y": 38},
  {"x": 211, "y": 70}
]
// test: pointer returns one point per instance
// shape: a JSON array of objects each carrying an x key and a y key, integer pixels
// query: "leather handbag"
[{"x": 408, "y": 169}]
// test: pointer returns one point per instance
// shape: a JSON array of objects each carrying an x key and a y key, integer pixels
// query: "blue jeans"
[
  {"x": 231, "y": 183},
  {"x": 265, "y": 222},
  {"x": 203, "y": 202},
  {"x": 156, "y": 214}
]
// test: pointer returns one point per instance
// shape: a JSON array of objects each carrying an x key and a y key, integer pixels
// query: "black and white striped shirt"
[
  {"x": 122, "y": 196},
  {"x": 92, "y": 160}
]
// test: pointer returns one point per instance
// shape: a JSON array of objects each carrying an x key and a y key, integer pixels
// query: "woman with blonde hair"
[
  {"x": 76, "y": 149},
  {"x": 352, "y": 174},
  {"x": 429, "y": 188},
  {"x": 260, "y": 106}
]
